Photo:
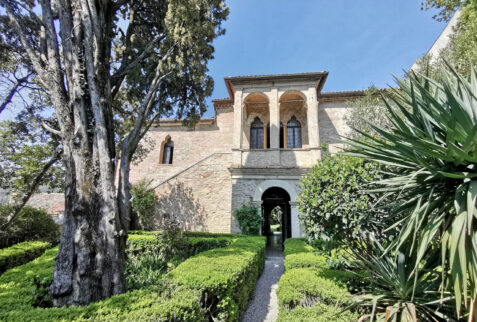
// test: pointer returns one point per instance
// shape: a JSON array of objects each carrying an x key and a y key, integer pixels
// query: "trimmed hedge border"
[
  {"x": 21, "y": 253},
  {"x": 225, "y": 277},
  {"x": 309, "y": 290},
  {"x": 220, "y": 287}
]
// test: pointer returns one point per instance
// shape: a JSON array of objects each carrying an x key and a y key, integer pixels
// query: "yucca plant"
[
  {"x": 394, "y": 291},
  {"x": 432, "y": 151}
]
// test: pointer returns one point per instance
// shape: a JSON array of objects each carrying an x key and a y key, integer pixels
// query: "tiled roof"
[
  {"x": 349, "y": 93},
  {"x": 294, "y": 75}
]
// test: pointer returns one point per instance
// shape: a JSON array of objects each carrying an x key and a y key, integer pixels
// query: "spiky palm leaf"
[
  {"x": 432, "y": 148},
  {"x": 394, "y": 292}
]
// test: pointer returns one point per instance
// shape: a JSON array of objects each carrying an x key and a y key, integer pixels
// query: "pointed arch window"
[
  {"x": 293, "y": 133},
  {"x": 168, "y": 152},
  {"x": 256, "y": 134}
]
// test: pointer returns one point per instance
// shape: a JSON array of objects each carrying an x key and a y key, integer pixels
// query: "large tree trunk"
[
  {"x": 124, "y": 188},
  {"x": 90, "y": 263}
]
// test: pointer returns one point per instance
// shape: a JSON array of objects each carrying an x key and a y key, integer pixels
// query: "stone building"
[{"x": 263, "y": 138}]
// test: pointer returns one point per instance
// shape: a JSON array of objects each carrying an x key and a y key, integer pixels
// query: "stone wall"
[
  {"x": 190, "y": 146},
  {"x": 244, "y": 190},
  {"x": 332, "y": 124},
  {"x": 200, "y": 197}
]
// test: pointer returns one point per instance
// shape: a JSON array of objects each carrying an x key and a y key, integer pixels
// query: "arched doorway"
[{"x": 276, "y": 200}]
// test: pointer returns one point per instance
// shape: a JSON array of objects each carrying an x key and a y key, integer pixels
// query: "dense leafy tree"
[
  {"x": 462, "y": 48},
  {"x": 29, "y": 159},
  {"x": 108, "y": 69},
  {"x": 446, "y": 7},
  {"x": 360, "y": 111},
  {"x": 30, "y": 224},
  {"x": 333, "y": 201}
]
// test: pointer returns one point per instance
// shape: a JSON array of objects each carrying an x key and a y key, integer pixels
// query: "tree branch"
[
  {"x": 36, "y": 182},
  {"x": 13, "y": 91},
  {"x": 35, "y": 59},
  {"x": 50, "y": 129}
]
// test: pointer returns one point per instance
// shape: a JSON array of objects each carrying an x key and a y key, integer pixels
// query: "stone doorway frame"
[{"x": 296, "y": 230}]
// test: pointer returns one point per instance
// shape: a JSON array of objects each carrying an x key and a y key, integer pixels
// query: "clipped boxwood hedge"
[
  {"x": 309, "y": 290},
  {"x": 21, "y": 253},
  {"x": 317, "y": 313},
  {"x": 185, "y": 295},
  {"x": 138, "y": 243},
  {"x": 225, "y": 277}
]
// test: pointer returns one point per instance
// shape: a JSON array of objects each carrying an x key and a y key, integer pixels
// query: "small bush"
[
  {"x": 31, "y": 224},
  {"x": 143, "y": 203},
  {"x": 304, "y": 287},
  {"x": 225, "y": 277},
  {"x": 20, "y": 254},
  {"x": 296, "y": 245},
  {"x": 152, "y": 255},
  {"x": 249, "y": 219},
  {"x": 309, "y": 290},
  {"x": 303, "y": 260},
  {"x": 318, "y": 313}
]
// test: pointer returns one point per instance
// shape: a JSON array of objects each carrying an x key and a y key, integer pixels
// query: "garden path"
[{"x": 264, "y": 304}]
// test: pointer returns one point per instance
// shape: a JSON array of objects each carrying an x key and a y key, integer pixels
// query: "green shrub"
[
  {"x": 152, "y": 255},
  {"x": 225, "y": 277},
  {"x": 250, "y": 220},
  {"x": 303, "y": 260},
  {"x": 318, "y": 313},
  {"x": 304, "y": 287},
  {"x": 143, "y": 203},
  {"x": 296, "y": 245},
  {"x": 21, "y": 253},
  {"x": 333, "y": 203},
  {"x": 309, "y": 290},
  {"x": 31, "y": 224},
  {"x": 180, "y": 297}
]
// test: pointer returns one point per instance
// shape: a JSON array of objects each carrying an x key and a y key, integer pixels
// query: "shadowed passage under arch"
[{"x": 277, "y": 200}]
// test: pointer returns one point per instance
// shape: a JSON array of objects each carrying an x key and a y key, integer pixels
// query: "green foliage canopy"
[
  {"x": 143, "y": 202},
  {"x": 30, "y": 224},
  {"x": 462, "y": 48},
  {"x": 369, "y": 107},
  {"x": 333, "y": 202},
  {"x": 249, "y": 219}
]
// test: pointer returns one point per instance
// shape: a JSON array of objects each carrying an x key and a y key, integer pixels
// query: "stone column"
[
  {"x": 238, "y": 119},
  {"x": 312, "y": 121},
  {"x": 296, "y": 229},
  {"x": 274, "y": 119},
  {"x": 238, "y": 128}
]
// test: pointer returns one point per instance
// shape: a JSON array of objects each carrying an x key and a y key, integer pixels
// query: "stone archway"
[
  {"x": 290, "y": 188},
  {"x": 273, "y": 198}
]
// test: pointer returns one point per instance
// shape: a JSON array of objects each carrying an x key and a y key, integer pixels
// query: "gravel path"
[{"x": 264, "y": 304}]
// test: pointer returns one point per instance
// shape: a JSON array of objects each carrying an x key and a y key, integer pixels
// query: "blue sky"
[{"x": 360, "y": 43}]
